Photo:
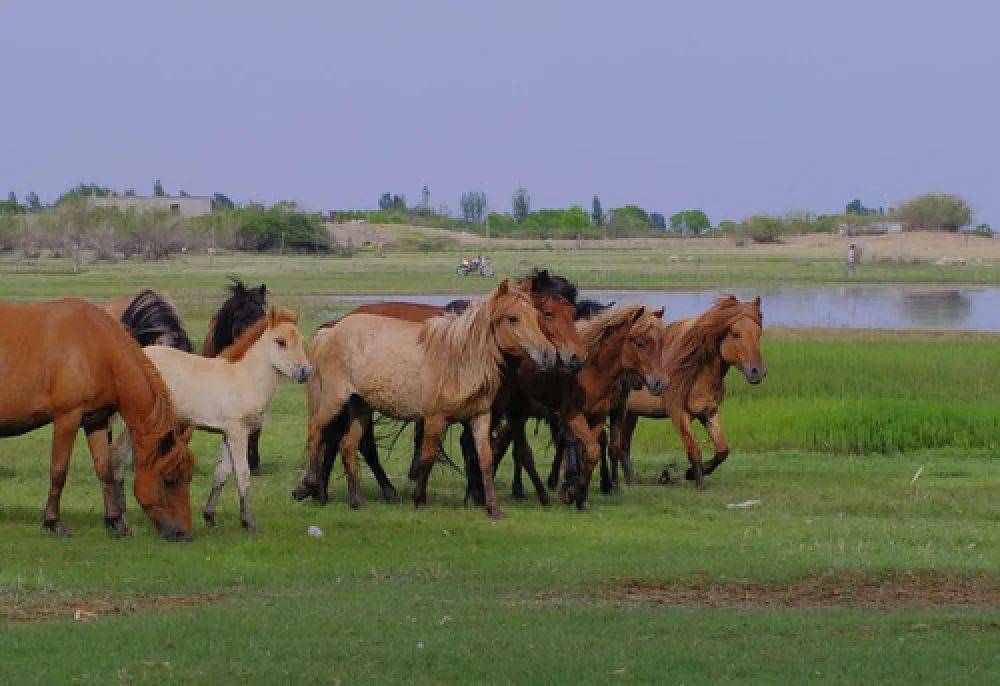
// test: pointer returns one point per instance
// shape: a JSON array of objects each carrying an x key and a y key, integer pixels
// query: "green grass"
[{"x": 829, "y": 443}]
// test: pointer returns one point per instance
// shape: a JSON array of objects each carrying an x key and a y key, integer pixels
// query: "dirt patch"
[
  {"x": 893, "y": 591},
  {"x": 48, "y": 605}
]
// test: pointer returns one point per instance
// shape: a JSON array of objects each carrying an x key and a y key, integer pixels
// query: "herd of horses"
[{"x": 530, "y": 349}]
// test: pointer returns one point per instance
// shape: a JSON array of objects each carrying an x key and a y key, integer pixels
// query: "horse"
[
  {"x": 232, "y": 393},
  {"x": 701, "y": 351},
  {"x": 244, "y": 308},
  {"x": 554, "y": 298},
  {"x": 621, "y": 341},
  {"x": 68, "y": 364},
  {"x": 444, "y": 369},
  {"x": 150, "y": 319},
  {"x": 585, "y": 309}
]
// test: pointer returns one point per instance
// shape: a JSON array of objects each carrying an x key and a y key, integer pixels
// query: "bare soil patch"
[
  {"x": 894, "y": 591},
  {"x": 49, "y": 605}
]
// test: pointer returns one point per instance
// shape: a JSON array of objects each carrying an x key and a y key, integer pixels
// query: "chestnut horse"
[
  {"x": 621, "y": 341},
  {"x": 554, "y": 298},
  {"x": 700, "y": 350},
  {"x": 442, "y": 370},
  {"x": 244, "y": 308},
  {"x": 68, "y": 364}
]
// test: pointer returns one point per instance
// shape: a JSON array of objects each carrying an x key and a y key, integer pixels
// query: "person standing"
[{"x": 852, "y": 259}]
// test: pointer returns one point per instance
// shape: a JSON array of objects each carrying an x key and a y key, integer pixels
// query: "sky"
[{"x": 734, "y": 107}]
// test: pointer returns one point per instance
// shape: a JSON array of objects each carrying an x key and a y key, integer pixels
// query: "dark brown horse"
[
  {"x": 700, "y": 351},
  {"x": 150, "y": 319},
  {"x": 68, "y": 364},
  {"x": 244, "y": 308},
  {"x": 620, "y": 342},
  {"x": 553, "y": 297}
]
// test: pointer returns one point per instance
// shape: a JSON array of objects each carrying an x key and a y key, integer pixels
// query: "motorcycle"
[{"x": 477, "y": 265}]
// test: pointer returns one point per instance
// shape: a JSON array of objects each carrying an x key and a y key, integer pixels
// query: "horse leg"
[
  {"x": 418, "y": 442},
  {"x": 473, "y": 476},
  {"x": 97, "y": 440},
  {"x": 333, "y": 434},
  {"x": 430, "y": 444},
  {"x": 682, "y": 421},
  {"x": 360, "y": 417},
  {"x": 253, "y": 453},
  {"x": 591, "y": 456},
  {"x": 237, "y": 441},
  {"x": 713, "y": 423},
  {"x": 560, "y": 444},
  {"x": 609, "y": 482},
  {"x": 504, "y": 438},
  {"x": 223, "y": 468},
  {"x": 522, "y": 451},
  {"x": 481, "y": 430},
  {"x": 622, "y": 428},
  {"x": 369, "y": 451},
  {"x": 628, "y": 430},
  {"x": 64, "y": 428},
  {"x": 120, "y": 449}
]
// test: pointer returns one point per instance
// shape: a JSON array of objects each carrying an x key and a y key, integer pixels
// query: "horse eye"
[
  {"x": 640, "y": 344},
  {"x": 281, "y": 342},
  {"x": 548, "y": 314},
  {"x": 512, "y": 318},
  {"x": 734, "y": 334},
  {"x": 170, "y": 483}
]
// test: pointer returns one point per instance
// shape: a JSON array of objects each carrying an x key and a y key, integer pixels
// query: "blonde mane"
[
  {"x": 246, "y": 340},
  {"x": 594, "y": 330},
  {"x": 698, "y": 338},
  {"x": 465, "y": 348}
]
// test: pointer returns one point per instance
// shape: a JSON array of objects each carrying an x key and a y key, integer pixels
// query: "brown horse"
[
  {"x": 700, "y": 350},
  {"x": 553, "y": 296},
  {"x": 620, "y": 341},
  {"x": 68, "y": 364},
  {"x": 442, "y": 370}
]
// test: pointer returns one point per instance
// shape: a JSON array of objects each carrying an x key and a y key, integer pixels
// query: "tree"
[
  {"x": 473, "y": 206},
  {"x": 399, "y": 202},
  {"x": 597, "y": 213},
  {"x": 855, "y": 207},
  {"x": 12, "y": 197},
  {"x": 130, "y": 193},
  {"x": 32, "y": 201},
  {"x": 83, "y": 190},
  {"x": 520, "y": 206},
  {"x": 935, "y": 212},
  {"x": 158, "y": 189},
  {"x": 695, "y": 220},
  {"x": 657, "y": 220},
  {"x": 221, "y": 202}
]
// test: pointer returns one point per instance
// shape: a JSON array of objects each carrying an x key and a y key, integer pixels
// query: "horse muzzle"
[
  {"x": 302, "y": 372},
  {"x": 754, "y": 373},
  {"x": 170, "y": 531},
  {"x": 571, "y": 360},
  {"x": 544, "y": 358},
  {"x": 656, "y": 385}
]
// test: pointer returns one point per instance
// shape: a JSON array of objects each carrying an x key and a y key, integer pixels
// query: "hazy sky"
[{"x": 735, "y": 107}]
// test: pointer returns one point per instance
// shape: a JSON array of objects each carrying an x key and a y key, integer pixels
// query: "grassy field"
[{"x": 849, "y": 570}]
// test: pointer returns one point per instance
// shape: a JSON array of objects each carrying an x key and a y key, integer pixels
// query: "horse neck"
[
  {"x": 146, "y": 412},
  {"x": 256, "y": 365},
  {"x": 476, "y": 362},
  {"x": 604, "y": 371}
]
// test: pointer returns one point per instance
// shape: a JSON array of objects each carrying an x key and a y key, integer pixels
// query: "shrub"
[{"x": 935, "y": 212}]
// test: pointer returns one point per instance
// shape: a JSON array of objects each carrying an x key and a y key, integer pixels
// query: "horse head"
[
  {"x": 554, "y": 297},
  {"x": 516, "y": 322},
  {"x": 283, "y": 342},
  {"x": 642, "y": 349},
  {"x": 740, "y": 344}
]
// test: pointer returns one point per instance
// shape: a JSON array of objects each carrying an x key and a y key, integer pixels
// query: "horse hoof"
[
  {"x": 665, "y": 478},
  {"x": 249, "y": 524},
  {"x": 356, "y": 502},
  {"x": 302, "y": 491},
  {"x": 209, "y": 519},
  {"x": 517, "y": 491},
  {"x": 495, "y": 513},
  {"x": 583, "y": 506},
  {"x": 57, "y": 528},
  {"x": 689, "y": 474},
  {"x": 117, "y": 527},
  {"x": 702, "y": 486},
  {"x": 178, "y": 537},
  {"x": 255, "y": 471},
  {"x": 391, "y": 496},
  {"x": 553, "y": 482},
  {"x": 543, "y": 498}
]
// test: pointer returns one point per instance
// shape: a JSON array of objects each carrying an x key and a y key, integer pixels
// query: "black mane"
[
  {"x": 244, "y": 308},
  {"x": 550, "y": 284},
  {"x": 585, "y": 309},
  {"x": 149, "y": 317}
]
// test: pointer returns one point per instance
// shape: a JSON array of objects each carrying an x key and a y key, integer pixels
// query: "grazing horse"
[
  {"x": 68, "y": 364},
  {"x": 553, "y": 296},
  {"x": 622, "y": 341},
  {"x": 232, "y": 393},
  {"x": 700, "y": 350},
  {"x": 244, "y": 308},
  {"x": 150, "y": 319},
  {"x": 442, "y": 370}
]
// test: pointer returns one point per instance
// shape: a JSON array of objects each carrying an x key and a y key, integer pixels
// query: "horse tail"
[{"x": 150, "y": 319}]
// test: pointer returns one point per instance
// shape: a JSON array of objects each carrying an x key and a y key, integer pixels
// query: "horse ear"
[
  {"x": 658, "y": 313},
  {"x": 263, "y": 289},
  {"x": 186, "y": 435},
  {"x": 272, "y": 317},
  {"x": 639, "y": 311},
  {"x": 528, "y": 283},
  {"x": 504, "y": 287},
  {"x": 756, "y": 302}
]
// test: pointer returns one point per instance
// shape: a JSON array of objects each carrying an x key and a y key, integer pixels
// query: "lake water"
[{"x": 855, "y": 307}]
